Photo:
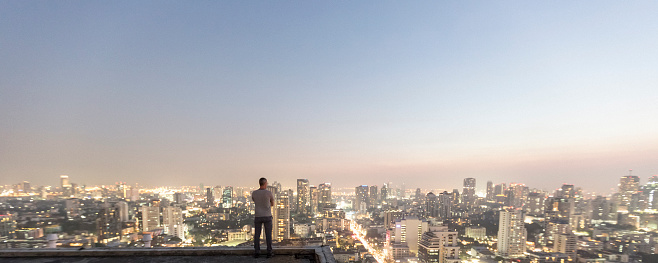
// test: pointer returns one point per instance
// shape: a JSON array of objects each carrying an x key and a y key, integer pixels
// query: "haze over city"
[{"x": 427, "y": 93}]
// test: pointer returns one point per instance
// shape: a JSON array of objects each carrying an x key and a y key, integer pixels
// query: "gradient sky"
[{"x": 426, "y": 93}]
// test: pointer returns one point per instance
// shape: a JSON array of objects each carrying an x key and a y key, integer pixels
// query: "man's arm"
[{"x": 271, "y": 199}]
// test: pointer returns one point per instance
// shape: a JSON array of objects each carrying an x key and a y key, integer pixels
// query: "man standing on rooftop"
[{"x": 264, "y": 201}]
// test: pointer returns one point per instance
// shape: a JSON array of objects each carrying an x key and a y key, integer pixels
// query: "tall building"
[
  {"x": 210, "y": 199},
  {"x": 314, "y": 195},
  {"x": 64, "y": 181},
  {"x": 123, "y": 209},
  {"x": 227, "y": 197},
  {"x": 390, "y": 217},
  {"x": 360, "y": 198},
  {"x": 409, "y": 231},
  {"x": 628, "y": 186},
  {"x": 7, "y": 226},
  {"x": 108, "y": 224},
  {"x": 303, "y": 203},
  {"x": 217, "y": 192},
  {"x": 439, "y": 245},
  {"x": 281, "y": 227},
  {"x": 445, "y": 205},
  {"x": 512, "y": 234},
  {"x": 150, "y": 217},
  {"x": 490, "y": 191},
  {"x": 431, "y": 205},
  {"x": 559, "y": 208},
  {"x": 385, "y": 192},
  {"x": 172, "y": 221},
  {"x": 72, "y": 208},
  {"x": 566, "y": 191},
  {"x": 468, "y": 193},
  {"x": 291, "y": 198},
  {"x": 27, "y": 188},
  {"x": 122, "y": 190},
  {"x": 373, "y": 196},
  {"x": 500, "y": 189},
  {"x": 280, "y": 213},
  {"x": 517, "y": 195},
  {"x": 650, "y": 194},
  {"x": 455, "y": 198},
  {"x": 603, "y": 209},
  {"x": 536, "y": 204},
  {"x": 179, "y": 198},
  {"x": 324, "y": 199}
]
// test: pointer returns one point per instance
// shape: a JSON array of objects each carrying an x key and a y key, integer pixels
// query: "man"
[{"x": 264, "y": 201}]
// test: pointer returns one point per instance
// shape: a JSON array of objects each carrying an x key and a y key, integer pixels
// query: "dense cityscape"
[{"x": 368, "y": 223}]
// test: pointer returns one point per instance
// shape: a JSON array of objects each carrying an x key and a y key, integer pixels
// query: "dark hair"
[{"x": 262, "y": 181}]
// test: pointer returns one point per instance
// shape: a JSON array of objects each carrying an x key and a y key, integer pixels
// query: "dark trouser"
[{"x": 259, "y": 221}]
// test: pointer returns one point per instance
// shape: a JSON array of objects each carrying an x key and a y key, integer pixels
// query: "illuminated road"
[{"x": 358, "y": 233}]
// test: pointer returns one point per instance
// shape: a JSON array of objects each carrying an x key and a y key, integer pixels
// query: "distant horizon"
[{"x": 480, "y": 185}]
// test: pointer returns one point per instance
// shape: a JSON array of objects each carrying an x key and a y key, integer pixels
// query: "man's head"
[{"x": 262, "y": 182}]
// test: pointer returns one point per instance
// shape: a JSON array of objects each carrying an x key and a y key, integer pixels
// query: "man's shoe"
[{"x": 269, "y": 255}]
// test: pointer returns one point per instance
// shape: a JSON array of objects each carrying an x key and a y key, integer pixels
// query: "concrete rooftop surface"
[{"x": 197, "y": 255}]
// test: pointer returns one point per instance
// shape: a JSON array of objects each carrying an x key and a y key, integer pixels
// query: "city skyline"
[
  {"x": 482, "y": 189},
  {"x": 533, "y": 93},
  {"x": 511, "y": 223}
]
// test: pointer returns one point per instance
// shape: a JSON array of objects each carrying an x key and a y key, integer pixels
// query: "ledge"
[{"x": 308, "y": 254}]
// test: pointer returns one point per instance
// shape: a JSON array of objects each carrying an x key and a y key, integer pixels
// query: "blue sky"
[{"x": 351, "y": 93}]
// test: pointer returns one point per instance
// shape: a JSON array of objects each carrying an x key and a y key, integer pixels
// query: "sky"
[{"x": 349, "y": 92}]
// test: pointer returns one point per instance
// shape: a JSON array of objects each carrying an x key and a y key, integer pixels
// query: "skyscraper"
[
  {"x": 468, "y": 193},
  {"x": 325, "y": 195},
  {"x": 27, "y": 188},
  {"x": 650, "y": 193},
  {"x": 536, "y": 204},
  {"x": 500, "y": 189},
  {"x": 373, "y": 195},
  {"x": 280, "y": 213},
  {"x": 431, "y": 205},
  {"x": 122, "y": 208},
  {"x": 445, "y": 205},
  {"x": 227, "y": 197},
  {"x": 512, "y": 234},
  {"x": 64, "y": 181},
  {"x": 566, "y": 191},
  {"x": 517, "y": 195},
  {"x": 455, "y": 198},
  {"x": 303, "y": 203},
  {"x": 360, "y": 198},
  {"x": 385, "y": 192},
  {"x": 559, "y": 208},
  {"x": 314, "y": 195},
  {"x": 210, "y": 199},
  {"x": 628, "y": 186},
  {"x": 281, "y": 228},
  {"x": 490, "y": 191},
  {"x": 217, "y": 191}
]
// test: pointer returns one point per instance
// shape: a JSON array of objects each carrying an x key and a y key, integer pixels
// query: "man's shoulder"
[{"x": 261, "y": 191}]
